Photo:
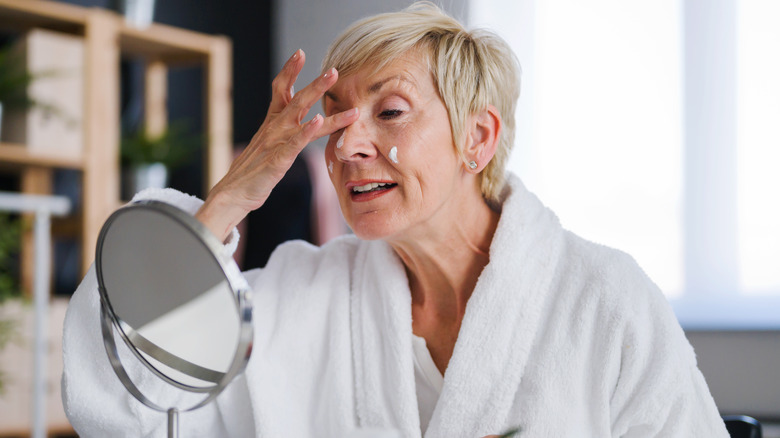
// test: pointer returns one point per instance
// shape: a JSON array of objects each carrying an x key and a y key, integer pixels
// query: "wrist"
[{"x": 220, "y": 215}]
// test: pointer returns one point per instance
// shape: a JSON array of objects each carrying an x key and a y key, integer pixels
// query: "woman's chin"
[
  {"x": 370, "y": 234},
  {"x": 373, "y": 229}
]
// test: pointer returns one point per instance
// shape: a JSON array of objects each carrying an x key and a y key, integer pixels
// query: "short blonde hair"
[{"x": 471, "y": 69}]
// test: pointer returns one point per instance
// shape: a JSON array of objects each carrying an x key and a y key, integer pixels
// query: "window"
[
  {"x": 654, "y": 128},
  {"x": 758, "y": 128}
]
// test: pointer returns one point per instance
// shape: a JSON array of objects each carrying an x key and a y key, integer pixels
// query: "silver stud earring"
[{"x": 472, "y": 164}]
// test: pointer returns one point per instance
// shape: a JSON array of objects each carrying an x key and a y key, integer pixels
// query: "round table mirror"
[{"x": 178, "y": 303}]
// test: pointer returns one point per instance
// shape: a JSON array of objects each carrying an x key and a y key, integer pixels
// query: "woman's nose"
[{"x": 355, "y": 144}]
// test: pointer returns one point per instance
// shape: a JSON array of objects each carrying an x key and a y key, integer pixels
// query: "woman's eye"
[{"x": 390, "y": 114}]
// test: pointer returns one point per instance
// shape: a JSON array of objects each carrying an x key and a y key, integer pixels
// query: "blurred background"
[{"x": 652, "y": 127}]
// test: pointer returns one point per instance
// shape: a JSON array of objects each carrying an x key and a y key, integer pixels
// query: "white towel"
[
  {"x": 561, "y": 337},
  {"x": 483, "y": 375}
]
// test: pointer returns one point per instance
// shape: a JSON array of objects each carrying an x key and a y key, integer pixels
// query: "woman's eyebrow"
[{"x": 376, "y": 86}]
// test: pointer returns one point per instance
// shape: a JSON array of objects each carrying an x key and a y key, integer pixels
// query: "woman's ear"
[{"x": 482, "y": 140}]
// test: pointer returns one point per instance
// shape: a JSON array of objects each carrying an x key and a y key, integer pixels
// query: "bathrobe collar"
[{"x": 495, "y": 337}]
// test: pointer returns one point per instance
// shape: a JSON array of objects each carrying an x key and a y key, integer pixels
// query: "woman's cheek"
[{"x": 330, "y": 157}]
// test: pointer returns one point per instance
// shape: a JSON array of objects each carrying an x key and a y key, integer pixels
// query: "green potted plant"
[
  {"x": 147, "y": 160},
  {"x": 14, "y": 80}
]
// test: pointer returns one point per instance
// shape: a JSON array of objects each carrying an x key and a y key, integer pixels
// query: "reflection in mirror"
[
  {"x": 209, "y": 341},
  {"x": 176, "y": 301}
]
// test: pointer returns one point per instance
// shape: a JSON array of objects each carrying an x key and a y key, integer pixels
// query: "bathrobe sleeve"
[
  {"x": 96, "y": 402},
  {"x": 660, "y": 391}
]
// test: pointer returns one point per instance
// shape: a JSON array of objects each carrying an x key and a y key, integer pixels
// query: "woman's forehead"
[{"x": 405, "y": 72}]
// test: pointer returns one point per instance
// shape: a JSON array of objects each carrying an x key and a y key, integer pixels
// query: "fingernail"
[
  {"x": 315, "y": 120},
  {"x": 292, "y": 90},
  {"x": 328, "y": 73},
  {"x": 350, "y": 113},
  {"x": 296, "y": 55}
]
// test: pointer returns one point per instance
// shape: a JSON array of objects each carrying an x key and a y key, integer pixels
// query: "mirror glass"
[{"x": 169, "y": 296}]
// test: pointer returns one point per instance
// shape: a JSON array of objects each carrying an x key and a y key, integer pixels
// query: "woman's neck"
[{"x": 443, "y": 264}]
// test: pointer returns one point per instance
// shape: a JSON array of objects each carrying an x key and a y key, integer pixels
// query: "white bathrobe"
[{"x": 561, "y": 337}]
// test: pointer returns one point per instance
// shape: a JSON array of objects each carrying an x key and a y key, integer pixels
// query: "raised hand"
[{"x": 273, "y": 149}]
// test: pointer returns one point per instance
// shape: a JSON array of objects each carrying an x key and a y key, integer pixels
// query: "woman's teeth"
[{"x": 369, "y": 187}]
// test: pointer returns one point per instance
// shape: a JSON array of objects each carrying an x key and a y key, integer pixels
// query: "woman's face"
[{"x": 395, "y": 169}]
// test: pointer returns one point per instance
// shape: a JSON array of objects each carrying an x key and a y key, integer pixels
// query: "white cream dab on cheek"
[
  {"x": 393, "y": 154},
  {"x": 340, "y": 143},
  {"x": 330, "y": 167}
]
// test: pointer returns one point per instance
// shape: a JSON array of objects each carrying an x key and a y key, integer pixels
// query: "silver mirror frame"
[{"x": 110, "y": 321}]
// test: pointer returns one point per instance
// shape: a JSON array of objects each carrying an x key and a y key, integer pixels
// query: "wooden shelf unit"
[{"x": 107, "y": 38}]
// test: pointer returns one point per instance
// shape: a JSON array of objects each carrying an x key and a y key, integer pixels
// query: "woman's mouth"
[{"x": 371, "y": 190}]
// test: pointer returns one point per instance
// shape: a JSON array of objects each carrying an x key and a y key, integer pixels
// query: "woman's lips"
[{"x": 366, "y": 190}]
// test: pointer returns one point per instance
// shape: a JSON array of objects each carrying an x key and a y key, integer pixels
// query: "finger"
[
  {"x": 306, "y": 134},
  {"x": 281, "y": 87},
  {"x": 337, "y": 121},
  {"x": 306, "y": 98}
]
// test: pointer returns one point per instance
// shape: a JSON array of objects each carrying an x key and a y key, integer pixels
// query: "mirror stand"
[{"x": 173, "y": 423}]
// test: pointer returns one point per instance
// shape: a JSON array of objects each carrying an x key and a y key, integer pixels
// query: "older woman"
[{"x": 460, "y": 307}]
